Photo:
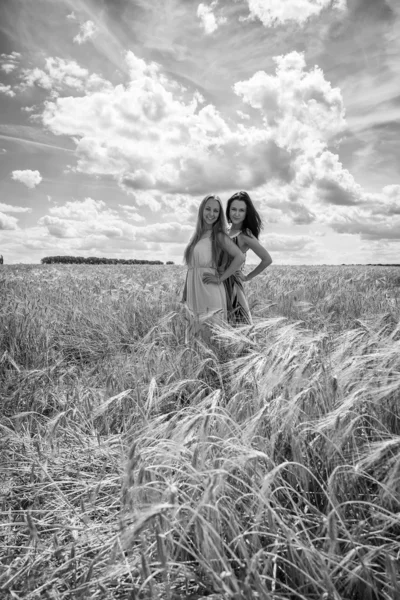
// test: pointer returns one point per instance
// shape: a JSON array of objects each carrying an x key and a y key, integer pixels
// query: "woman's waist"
[{"x": 202, "y": 268}]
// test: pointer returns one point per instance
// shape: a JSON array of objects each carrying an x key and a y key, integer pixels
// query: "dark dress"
[{"x": 237, "y": 305}]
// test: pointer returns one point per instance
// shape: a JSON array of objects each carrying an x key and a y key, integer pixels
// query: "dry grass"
[{"x": 266, "y": 466}]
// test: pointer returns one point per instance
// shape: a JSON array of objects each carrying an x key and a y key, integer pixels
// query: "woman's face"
[
  {"x": 211, "y": 212},
  {"x": 237, "y": 213}
]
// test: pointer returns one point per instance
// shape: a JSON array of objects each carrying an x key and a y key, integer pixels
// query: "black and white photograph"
[{"x": 200, "y": 299}]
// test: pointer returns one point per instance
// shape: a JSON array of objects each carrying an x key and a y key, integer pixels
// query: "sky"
[{"x": 118, "y": 116}]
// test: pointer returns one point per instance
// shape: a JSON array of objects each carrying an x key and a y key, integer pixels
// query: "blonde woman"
[{"x": 204, "y": 256}]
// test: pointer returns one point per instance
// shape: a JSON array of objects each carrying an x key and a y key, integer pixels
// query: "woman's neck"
[{"x": 206, "y": 232}]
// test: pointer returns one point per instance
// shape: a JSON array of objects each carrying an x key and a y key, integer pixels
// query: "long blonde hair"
[{"x": 218, "y": 227}]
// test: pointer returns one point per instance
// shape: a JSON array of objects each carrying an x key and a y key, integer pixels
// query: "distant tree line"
[
  {"x": 368, "y": 265},
  {"x": 95, "y": 260}
]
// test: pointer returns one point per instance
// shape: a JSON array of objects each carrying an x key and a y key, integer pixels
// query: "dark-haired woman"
[
  {"x": 244, "y": 232},
  {"x": 204, "y": 292}
]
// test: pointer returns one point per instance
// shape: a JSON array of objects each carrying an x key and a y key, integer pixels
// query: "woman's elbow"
[{"x": 267, "y": 262}]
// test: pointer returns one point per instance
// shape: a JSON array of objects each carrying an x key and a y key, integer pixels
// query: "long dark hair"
[
  {"x": 252, "y": 220},
  {"x": 218, "y": 227}
]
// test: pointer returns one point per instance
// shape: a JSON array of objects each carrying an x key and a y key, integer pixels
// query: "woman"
[
  {"x": 204, "y": 290},
  {"x": 244, "y": 232}
]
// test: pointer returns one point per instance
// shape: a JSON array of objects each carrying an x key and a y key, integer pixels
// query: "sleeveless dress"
[
  {"x": 237, "y": 305},
  {"x": 205, "y": 302}
]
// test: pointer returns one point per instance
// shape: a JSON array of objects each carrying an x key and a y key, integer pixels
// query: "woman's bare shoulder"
[{"x": 247, "y": 233}]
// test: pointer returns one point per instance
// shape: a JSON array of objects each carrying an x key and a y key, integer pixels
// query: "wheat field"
[{"x": 263, "y": 466}]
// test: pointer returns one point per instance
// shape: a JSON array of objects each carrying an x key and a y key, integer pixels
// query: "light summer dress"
[{"x": 205, "y": 302}]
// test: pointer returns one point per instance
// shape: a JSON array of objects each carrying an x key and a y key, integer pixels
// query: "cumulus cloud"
[
  {"x": 390, "y": 199},
  {"x": 333, "y": 192},
  {"x": 209, "y": 21},
  {"x": 7, "y": 222},
  {"x": 59, "y": 228},
  {"x": 288, "y": 243},
  {"x": 158, "y": 141},
  {"x": 243, "y": 115},
  {"x": 164, "y": 232},
  {"x": 292, "y": 211},
  {"x": 302, "y": 106},
  {"x": 144, "y": 198},
  {"x": 9, "y": 62},
  {"x": 377, "y": 217},
  {"x": 303, "y": 113},
  {"x": 59, "y": 74},
  {"x": 77, "y": 219},
  {"x": 29, "y": 178},
  {"x": 368, "y": 225},
  {"x": 16, "y": 209},
  {"x": 91, "y": 223},
  {"x": 278, "y": 12},
  {"x": 80, "y": 210},
  {"x": 131, "y": 213},
  {"x": 7, "y": 90},
  {"x": 87, "y": 31},
  {"x": 175, "y": 143}
]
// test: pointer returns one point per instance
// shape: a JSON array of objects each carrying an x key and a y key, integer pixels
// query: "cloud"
[
  {"x": 302, "y": 106},
  {"x": 56, "y": 74},
  {"x": 175, "y": 143},
  {"x": 287, "y": 243},
  {"x": 9, "y": 62},
  {"x": 377, "y": 217},
  {"x": 71, "y": 16},
  {"x": 303, "y": 114},
  {"x": 138, "y": 180},
  {"x": 7, "y": 222},
  {"x": 29, "y": 178},
  {"x": 164, "y": 233},
  {"x": 59, "y": 74},
  {"x": 243, "y": 115},
  {"x": 58, "y": 227},
  {"x": 78, "y": 219},
  {"x": 90, "y": 219},
  {"x": 278, "y": 12},
  {"x": 81, "y": 210},
  {"x": 293, "y": 211},
  {"x": 332, "y": 192},
  {"x": 15, "y": 209},
  {"x": 87, "y": 31},
  {"x": 367, "y": 225},
  {"x": 390, "y": 200},
  {"x": 159, "y": 142},
  {"x": 376, "y": 10},
  {"x": 6, "y": 89},
  {"x": 131, "y": 213},
  {"x": 143, "y": 197},
  {"x": 209, "y": 21}
]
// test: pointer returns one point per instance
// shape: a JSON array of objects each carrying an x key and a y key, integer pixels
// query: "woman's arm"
[
  {"x": 262, "y": 253},
  {"x": 237, "y": 256}
]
